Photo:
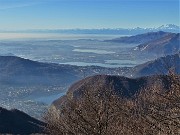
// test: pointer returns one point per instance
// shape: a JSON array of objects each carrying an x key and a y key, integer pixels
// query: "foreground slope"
[
  {"x": 17, "y": 122},
  {"x": 99, "y": 105},
  {"x": 123, "y": 86}
]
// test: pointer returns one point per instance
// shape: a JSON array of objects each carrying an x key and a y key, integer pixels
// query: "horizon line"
[{"x": 103, "y": 28}]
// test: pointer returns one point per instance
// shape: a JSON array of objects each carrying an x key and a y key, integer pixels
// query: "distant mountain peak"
[{"x": 169, "y": 26}]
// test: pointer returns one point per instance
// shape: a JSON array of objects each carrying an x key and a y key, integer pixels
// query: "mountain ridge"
[
  {"x": 12, "y": 67},
  {"x": 161, "y": 65},
  {"x": 122, "y": 86},
  {"x": 19, "y": 69},
  {"x": 141, "y": 38}
]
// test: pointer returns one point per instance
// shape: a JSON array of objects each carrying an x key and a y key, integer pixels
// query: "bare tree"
[
  {"x": 101, "y": 111},
  {"x": 159, "y": 109},
  {"x": 98, "y": 111}
]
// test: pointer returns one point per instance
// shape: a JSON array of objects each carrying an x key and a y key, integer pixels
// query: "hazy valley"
[{"x": 34, "y": 73}]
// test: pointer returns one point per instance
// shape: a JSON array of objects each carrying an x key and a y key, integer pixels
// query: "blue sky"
[{"x": 67, "y": 14}]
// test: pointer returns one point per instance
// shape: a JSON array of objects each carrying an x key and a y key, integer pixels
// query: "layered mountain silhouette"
[
  {"x": 150, "y": 73},
  {"x": 122, "y": 86},
  {"x": 17, "y": 122},
  {"x": 19, "y": 71}
]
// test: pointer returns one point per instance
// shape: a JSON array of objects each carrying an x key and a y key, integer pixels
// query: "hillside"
[
  {"x": 113, "y": 105},
  {"x": 169, "y": 44},
  {"x": 17, "y": 122},
  {"x": 158, "y": 66},
  {"x": 15, "y": 70},
  {"x": 123, "y": 86},
  {"x": 27, "y": 82},
  {"x": 141, "y": 38}
]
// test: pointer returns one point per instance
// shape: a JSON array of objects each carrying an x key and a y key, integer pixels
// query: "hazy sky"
[{"x": 65, "y": 14}]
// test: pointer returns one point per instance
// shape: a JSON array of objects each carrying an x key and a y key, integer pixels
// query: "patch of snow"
[
  {"x": 136, "y": 48},
  {"x": 144, "y": 48}
]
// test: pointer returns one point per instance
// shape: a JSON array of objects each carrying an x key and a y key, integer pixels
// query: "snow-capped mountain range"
[
  {"x": 119, "y": 31},
  {"x": 169, "y": 26}
]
